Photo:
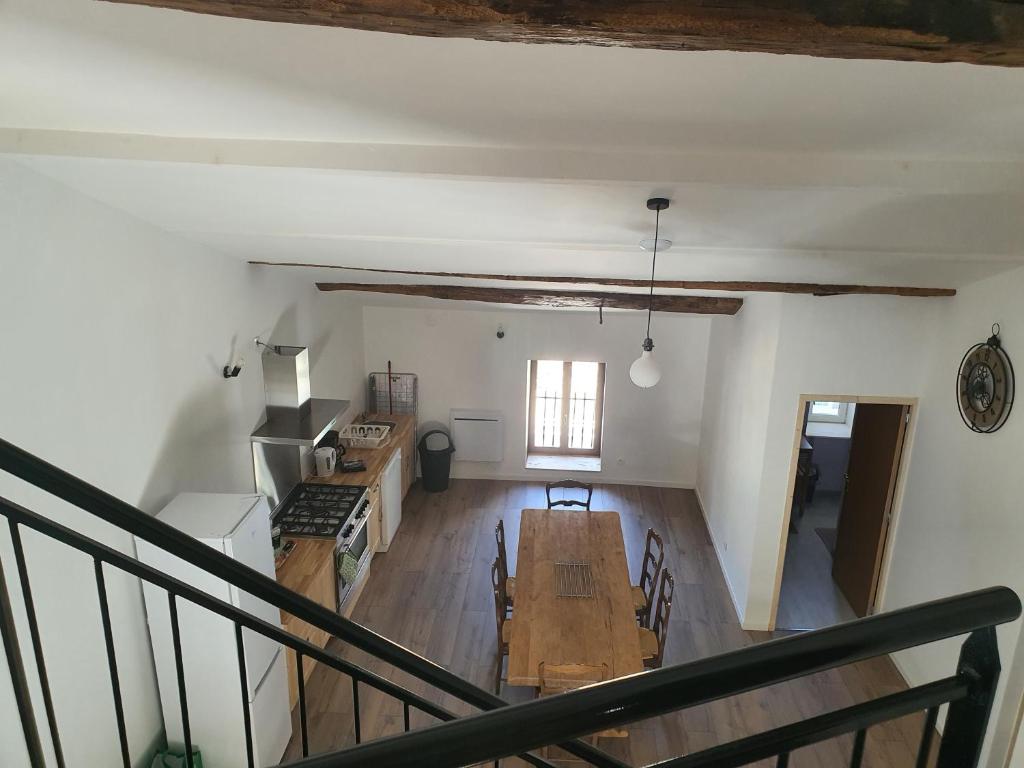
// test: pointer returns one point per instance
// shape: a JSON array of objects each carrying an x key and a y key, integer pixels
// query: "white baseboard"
[
  {"x": 544, "y": 475},
  {"x": 721, "y": 564}
]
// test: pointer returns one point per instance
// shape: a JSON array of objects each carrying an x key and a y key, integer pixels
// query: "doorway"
[{"x": 845, "y": 483}]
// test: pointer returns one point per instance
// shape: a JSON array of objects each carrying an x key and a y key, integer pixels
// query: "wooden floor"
[{"x": 431, "y": 593}]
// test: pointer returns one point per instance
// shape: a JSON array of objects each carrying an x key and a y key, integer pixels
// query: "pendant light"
[{"x": 644, "y": 371}]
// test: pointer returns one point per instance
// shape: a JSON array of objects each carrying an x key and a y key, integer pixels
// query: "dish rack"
[{"x": 364, "y": 435}]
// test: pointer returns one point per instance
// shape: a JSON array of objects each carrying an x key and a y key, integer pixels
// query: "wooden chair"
[
  {"x": 569, "y": 502},
  {"x": 561, "y": 678},
  {"x": 504, "y": 623},
  {"x": 652, "y": 641},
  {"x": 508, "y": 582},
  {"x": 643, "y": 595}
]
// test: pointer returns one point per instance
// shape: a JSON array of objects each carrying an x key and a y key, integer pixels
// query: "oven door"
[{"x": 351, "y": 557}]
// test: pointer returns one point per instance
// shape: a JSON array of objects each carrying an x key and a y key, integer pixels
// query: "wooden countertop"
[
  {"x": 296, "y": 573},
  {"x": 308, "y": 555},
  {"x": 376, "y": 458}
]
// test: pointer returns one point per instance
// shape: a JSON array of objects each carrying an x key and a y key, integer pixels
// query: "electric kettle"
[{"x": 326, "y": 458}]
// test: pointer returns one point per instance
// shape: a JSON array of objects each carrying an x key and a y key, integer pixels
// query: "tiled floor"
[
  {"x": 810, "y": 599},
  {"x": 431, "y": 592}
]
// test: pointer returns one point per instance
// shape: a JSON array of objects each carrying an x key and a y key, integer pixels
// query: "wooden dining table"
[{"x": 597, "y": 623}]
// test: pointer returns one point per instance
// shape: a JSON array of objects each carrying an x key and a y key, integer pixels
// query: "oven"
[{"x": 353, "y": 552}]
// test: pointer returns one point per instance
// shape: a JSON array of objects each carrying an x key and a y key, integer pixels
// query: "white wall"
[
  {"x": 819, "y": 353},
  {"x": 960, "y": 526},
  {"x": 762, "y": 360},
  {"x": 114, "y": 336},
  {"x": 650, "y": 436},
  {"x": 741, "y": 365}
]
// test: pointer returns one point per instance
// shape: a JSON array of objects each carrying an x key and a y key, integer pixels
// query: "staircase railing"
[
  {"x": 103, "y": 505},
  {"x": 622, "y": 701},
  {"x": 503, "y": 730}
]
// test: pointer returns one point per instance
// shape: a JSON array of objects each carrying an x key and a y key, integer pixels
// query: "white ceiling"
[{"x": 294, "y": 143}]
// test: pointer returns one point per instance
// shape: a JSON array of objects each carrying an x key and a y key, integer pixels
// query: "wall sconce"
[{"x": 231, "y": 370}]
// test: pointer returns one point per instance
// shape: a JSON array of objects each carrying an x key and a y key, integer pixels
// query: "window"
[
  {"x": 822, "y": 410},
  {"x": 566, "y": 403}
]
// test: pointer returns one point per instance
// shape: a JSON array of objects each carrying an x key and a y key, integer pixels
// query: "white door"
[{"x": 391, "y": 500}]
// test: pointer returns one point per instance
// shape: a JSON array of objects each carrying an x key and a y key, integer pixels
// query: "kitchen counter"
[
  {"x": 302, "y": 565},
  {"x": 302, "y": 571},
  {"x": 376, "y": 458}
]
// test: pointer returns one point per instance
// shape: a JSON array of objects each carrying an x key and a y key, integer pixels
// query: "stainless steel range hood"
[
  {"x": 293, "y": 417},
  {"x": 282, "y": 447}
]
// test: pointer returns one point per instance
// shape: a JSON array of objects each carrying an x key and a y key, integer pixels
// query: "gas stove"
[{"x": 319, "y": 510}]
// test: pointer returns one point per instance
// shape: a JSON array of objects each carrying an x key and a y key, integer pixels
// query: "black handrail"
[
  {"x": 822, "y": 727},
  {"x": 551, "y": 720},
  {"x": 506, "y": 730},
  {"x": 175, "y": 587},
  {"x": 109, "y": 508}
]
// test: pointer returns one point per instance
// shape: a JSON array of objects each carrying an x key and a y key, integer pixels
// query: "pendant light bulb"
[{"x": 645, "y": 372}]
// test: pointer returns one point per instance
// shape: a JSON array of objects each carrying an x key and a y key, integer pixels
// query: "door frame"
[{"x": 897, "y": 501}]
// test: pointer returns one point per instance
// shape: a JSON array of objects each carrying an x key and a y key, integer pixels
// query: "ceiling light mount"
[
  {"x": 657, "y": 204},
  {"x": 648, "y": 244}
]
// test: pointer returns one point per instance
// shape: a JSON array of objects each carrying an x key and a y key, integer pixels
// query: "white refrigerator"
[{"x": 237, "y": 525}]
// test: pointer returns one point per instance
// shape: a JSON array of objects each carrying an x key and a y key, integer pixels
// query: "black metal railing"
[
  {"x": 103, "y": 555},
  {"x": 503, "y": 730},
  {"x": 112, "y": 510},
  {"x": 620, "y": 702}
]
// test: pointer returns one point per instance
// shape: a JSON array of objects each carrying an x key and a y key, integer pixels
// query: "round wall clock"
[{"x": 984, "y": 385}]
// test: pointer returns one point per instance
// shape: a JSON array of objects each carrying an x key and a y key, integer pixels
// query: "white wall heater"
[{"x": 477, "y": 435}]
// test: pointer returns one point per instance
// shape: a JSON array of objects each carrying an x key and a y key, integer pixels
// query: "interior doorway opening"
[{"x": 845, "y": 483}]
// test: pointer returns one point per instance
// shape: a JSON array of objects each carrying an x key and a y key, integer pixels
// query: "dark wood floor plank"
[{"x": 431, "y": 592}]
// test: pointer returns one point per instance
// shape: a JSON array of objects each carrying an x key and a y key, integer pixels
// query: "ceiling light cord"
[{"x": 654, "y": 261}]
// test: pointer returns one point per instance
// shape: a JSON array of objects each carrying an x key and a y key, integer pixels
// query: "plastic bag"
[{"x": 171, "y": 759}]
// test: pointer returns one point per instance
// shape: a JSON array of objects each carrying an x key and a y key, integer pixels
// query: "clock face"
[{"x": 985, "y": 387}]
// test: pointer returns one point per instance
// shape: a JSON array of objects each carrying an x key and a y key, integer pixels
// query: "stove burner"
[{"x": 318, "y": 510}]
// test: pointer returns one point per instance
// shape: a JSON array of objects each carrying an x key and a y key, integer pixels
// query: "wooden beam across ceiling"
[
  {"x": 974, "y": 31},
  {"x": 745, "y": 286},
  {"x": 701, "y": 305}
]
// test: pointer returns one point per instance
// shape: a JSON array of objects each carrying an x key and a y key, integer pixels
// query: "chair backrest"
[
  {"x": 569, "y": 502},
  {"x": 650, "y": 567},
  {"x": 499, "y": 598},
  {"x": 559, "y": 678},
  {"x": 499, "y": 538},
  {"x": 661, "y": 613}
]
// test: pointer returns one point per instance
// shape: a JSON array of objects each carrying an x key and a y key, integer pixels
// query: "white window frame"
[{"x": 844, "y": 409}]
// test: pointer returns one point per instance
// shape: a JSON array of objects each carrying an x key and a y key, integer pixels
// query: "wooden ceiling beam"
[
  {"x": 975, "y": 31},
  {"x": 701, "y": 305},
  {"x": 745, "y": 286}
]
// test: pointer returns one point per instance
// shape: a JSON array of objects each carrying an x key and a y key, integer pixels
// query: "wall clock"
[{"x": 984, "y": 385}]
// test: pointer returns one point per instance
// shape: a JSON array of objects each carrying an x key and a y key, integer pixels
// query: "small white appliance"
[
  {"x": 238, "y": 526},
  {"x": 390, "y": 501},
  {"x": 326, "y": 458}
]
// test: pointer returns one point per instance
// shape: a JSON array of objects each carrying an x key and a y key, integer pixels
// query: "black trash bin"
[{"x": 436, "y": 463}]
